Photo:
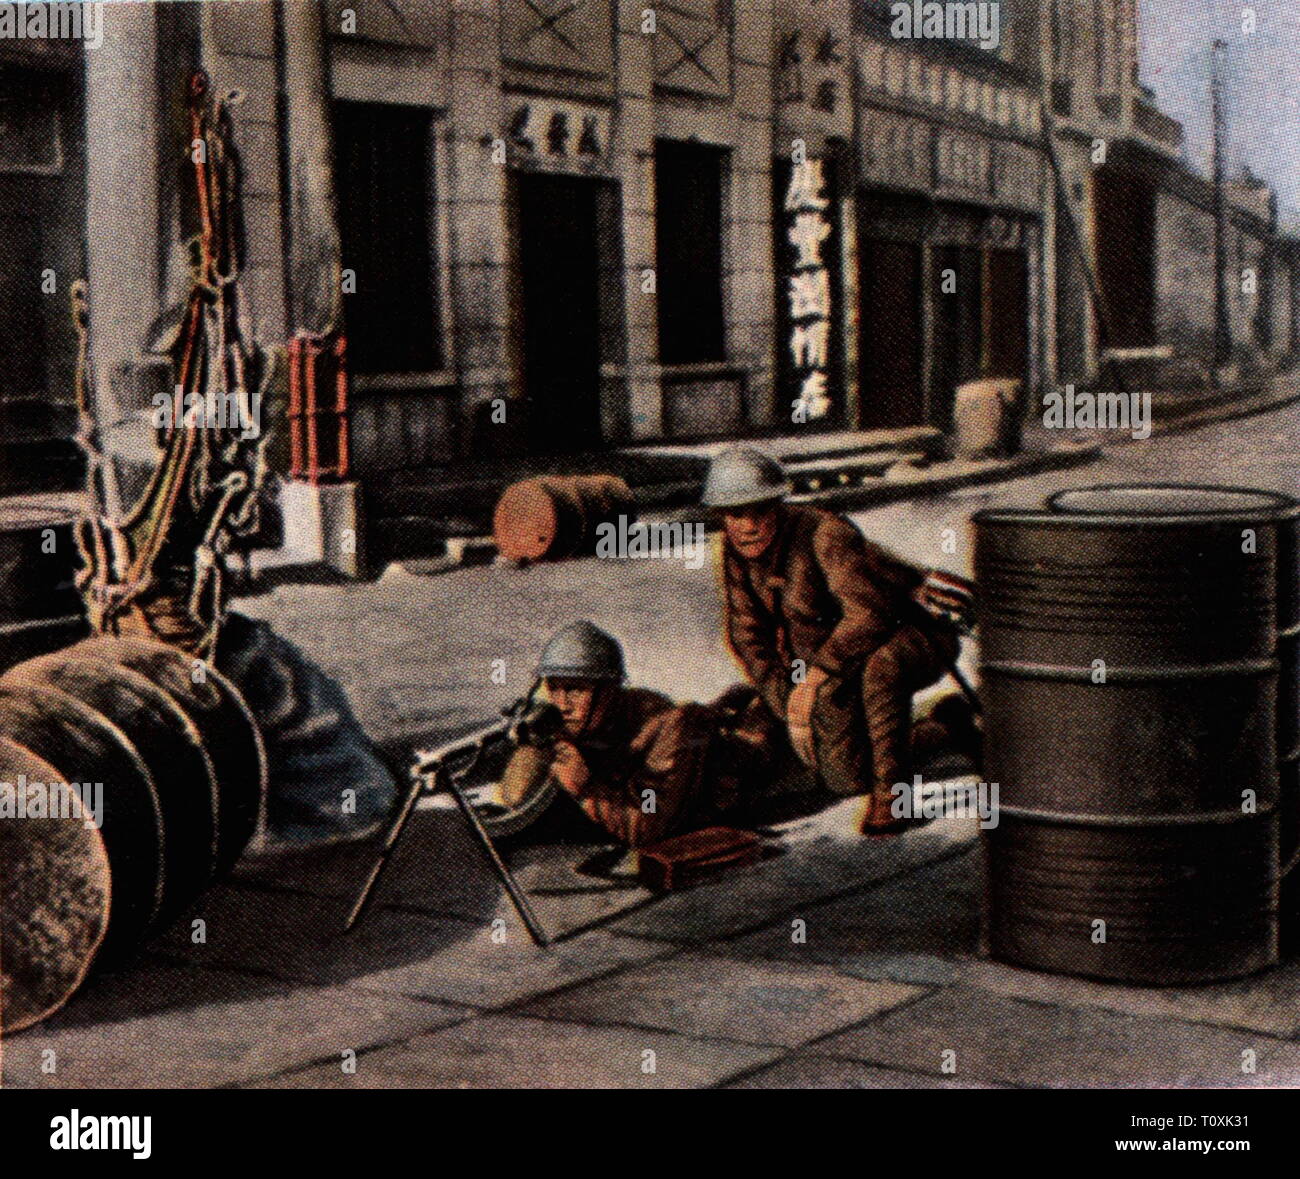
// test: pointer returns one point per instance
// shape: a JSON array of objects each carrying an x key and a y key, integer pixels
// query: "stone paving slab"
[
  {"x": 507, "y": 1051},
  {"x": 173, "y": 1027},
  {"x": 1012, "y": 1041},
  {"x": 704, "y": 995},
  {"x": 912, "y": 929},
  {"x": 827, "y": 859},
  {"x": 297, "y": 938},
  {"x": 810, "y": 1071},
  {"x": 1268, "y": 1002}
]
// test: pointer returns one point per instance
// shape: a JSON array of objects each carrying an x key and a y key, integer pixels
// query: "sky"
[{"x": 1261, "y": 81}]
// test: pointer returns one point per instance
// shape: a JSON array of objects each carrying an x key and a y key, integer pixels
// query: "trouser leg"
[
  {"x": 862, "y": 723},
  {"x": 904, "y": 665}
]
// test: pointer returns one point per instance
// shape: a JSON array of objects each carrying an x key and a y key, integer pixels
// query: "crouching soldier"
[
  {"x": 637, "y": 764},
  {"x": 828, "y": 628}
]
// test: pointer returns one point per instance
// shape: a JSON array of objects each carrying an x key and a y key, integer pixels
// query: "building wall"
[
  {"x": 765, "y": 82},
  {"x": 1256, "y": 291},
  {"x": 963, "y": 135}
]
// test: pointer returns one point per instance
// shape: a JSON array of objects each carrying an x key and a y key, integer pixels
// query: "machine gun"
[{"x": 527, "y": 721}]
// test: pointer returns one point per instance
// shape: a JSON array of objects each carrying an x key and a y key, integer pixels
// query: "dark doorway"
[
  {"x": 559, "y": 258},
  {"x": 384, "y": 176},
  {"x": 892, "y": 335},
  {"x": 1008, "y": 314},
  {"x": 1125, "y": 224},
  {"x": 958, "y": 284},
  {"x": 688, "y": 249}
]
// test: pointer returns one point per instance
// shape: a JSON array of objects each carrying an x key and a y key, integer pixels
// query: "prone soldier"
[
  {"x": 637, "y": 764},
  {"x": 828, "y": 627}
]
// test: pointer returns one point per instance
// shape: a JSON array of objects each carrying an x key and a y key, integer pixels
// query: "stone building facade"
[
  {"x": 1130, "y": 205},
  {"x": 558, "y": 225}
]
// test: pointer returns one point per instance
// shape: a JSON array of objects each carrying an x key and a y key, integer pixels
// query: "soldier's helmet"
[
  {"x": 743, "y": 475},
  {"x": 582, "y": 651}
]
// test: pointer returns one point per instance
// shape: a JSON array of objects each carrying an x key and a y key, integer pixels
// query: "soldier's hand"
[
  {"x": 569, "y": 767},
  {"x": 799, "y": 710}
]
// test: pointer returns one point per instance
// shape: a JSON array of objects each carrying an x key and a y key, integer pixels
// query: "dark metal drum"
[
  {"x": 1283, "y": 516},
  {"x": 171, "y": 746},
  {"x": 40, "y": 609},
  {"x": 1130, "y": 672}
]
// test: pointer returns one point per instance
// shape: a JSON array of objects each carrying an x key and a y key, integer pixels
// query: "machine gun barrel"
[{"x": 429, "y": 760}]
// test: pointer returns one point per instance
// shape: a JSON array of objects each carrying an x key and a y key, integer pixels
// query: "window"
[
  {"x": 688, "y": 246},
  {"x": 384, "y": 178}
]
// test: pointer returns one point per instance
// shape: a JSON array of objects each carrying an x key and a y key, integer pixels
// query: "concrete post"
[
  {"x": 313, "y": 246},
  {"x": 122, "y": 234}
]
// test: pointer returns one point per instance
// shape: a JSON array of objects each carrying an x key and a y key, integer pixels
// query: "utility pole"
[{"x": 1222, "y": 323}]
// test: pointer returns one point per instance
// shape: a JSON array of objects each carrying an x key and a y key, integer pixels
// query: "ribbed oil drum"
[
  {"x": 1130, "y": 678},
  {"x": 51, "y": 921},
  {"x": 40, "y": 608},
  {"x": 555, "y": 516},
  {"x": 1284, "y": 520}
]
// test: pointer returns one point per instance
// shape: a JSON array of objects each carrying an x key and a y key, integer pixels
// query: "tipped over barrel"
[
  {"x": 1130, "y": 671},
  {"x": 556, "y": 516},
  {"x": 131, "y": 776}
]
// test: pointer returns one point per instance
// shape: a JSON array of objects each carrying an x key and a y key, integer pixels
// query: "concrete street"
[{"x": 841, "y": 962}]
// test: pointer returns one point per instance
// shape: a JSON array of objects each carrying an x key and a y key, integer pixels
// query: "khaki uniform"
[
  {"x": 644, "y": 743},
  {"x": 824, "y": 595}
]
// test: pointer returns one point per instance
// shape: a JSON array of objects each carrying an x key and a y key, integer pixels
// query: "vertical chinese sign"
[
  {"x": 808, "y": 285},
  {"x": 814, "y": 128}
]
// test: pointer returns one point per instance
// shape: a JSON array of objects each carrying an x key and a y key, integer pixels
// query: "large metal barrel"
[
  {"x": 40, "y": 608},
  {"x": 556, "y": 516},
  {"x": 1130, "y": 675},
  {"x": 182, "y": 774},
  {"x": 1282, "y": 516}
]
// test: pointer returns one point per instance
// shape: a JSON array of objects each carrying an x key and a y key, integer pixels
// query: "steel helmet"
[
  {"x": 582, "y": 651},
  {"x": 743, "y": 475}
]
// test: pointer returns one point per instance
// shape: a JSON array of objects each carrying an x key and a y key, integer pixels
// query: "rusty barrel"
[
  {"x": 40, "y": 608},
  {"x": 551, "y": 517},
  {"x": 1130, "y": 678},
  {"x": 179, "y": 774},
  {"x": 1282, "y": 516}
]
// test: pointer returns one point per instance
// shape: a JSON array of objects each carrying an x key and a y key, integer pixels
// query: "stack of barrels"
[
  {"x": 1138, "y": 649},
  {"x": 169, "y": 764}
]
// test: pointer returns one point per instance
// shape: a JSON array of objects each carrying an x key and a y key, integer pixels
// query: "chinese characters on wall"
[
  {"x": 558, "y": 130},
  {"x": 810, "y": 284}
]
